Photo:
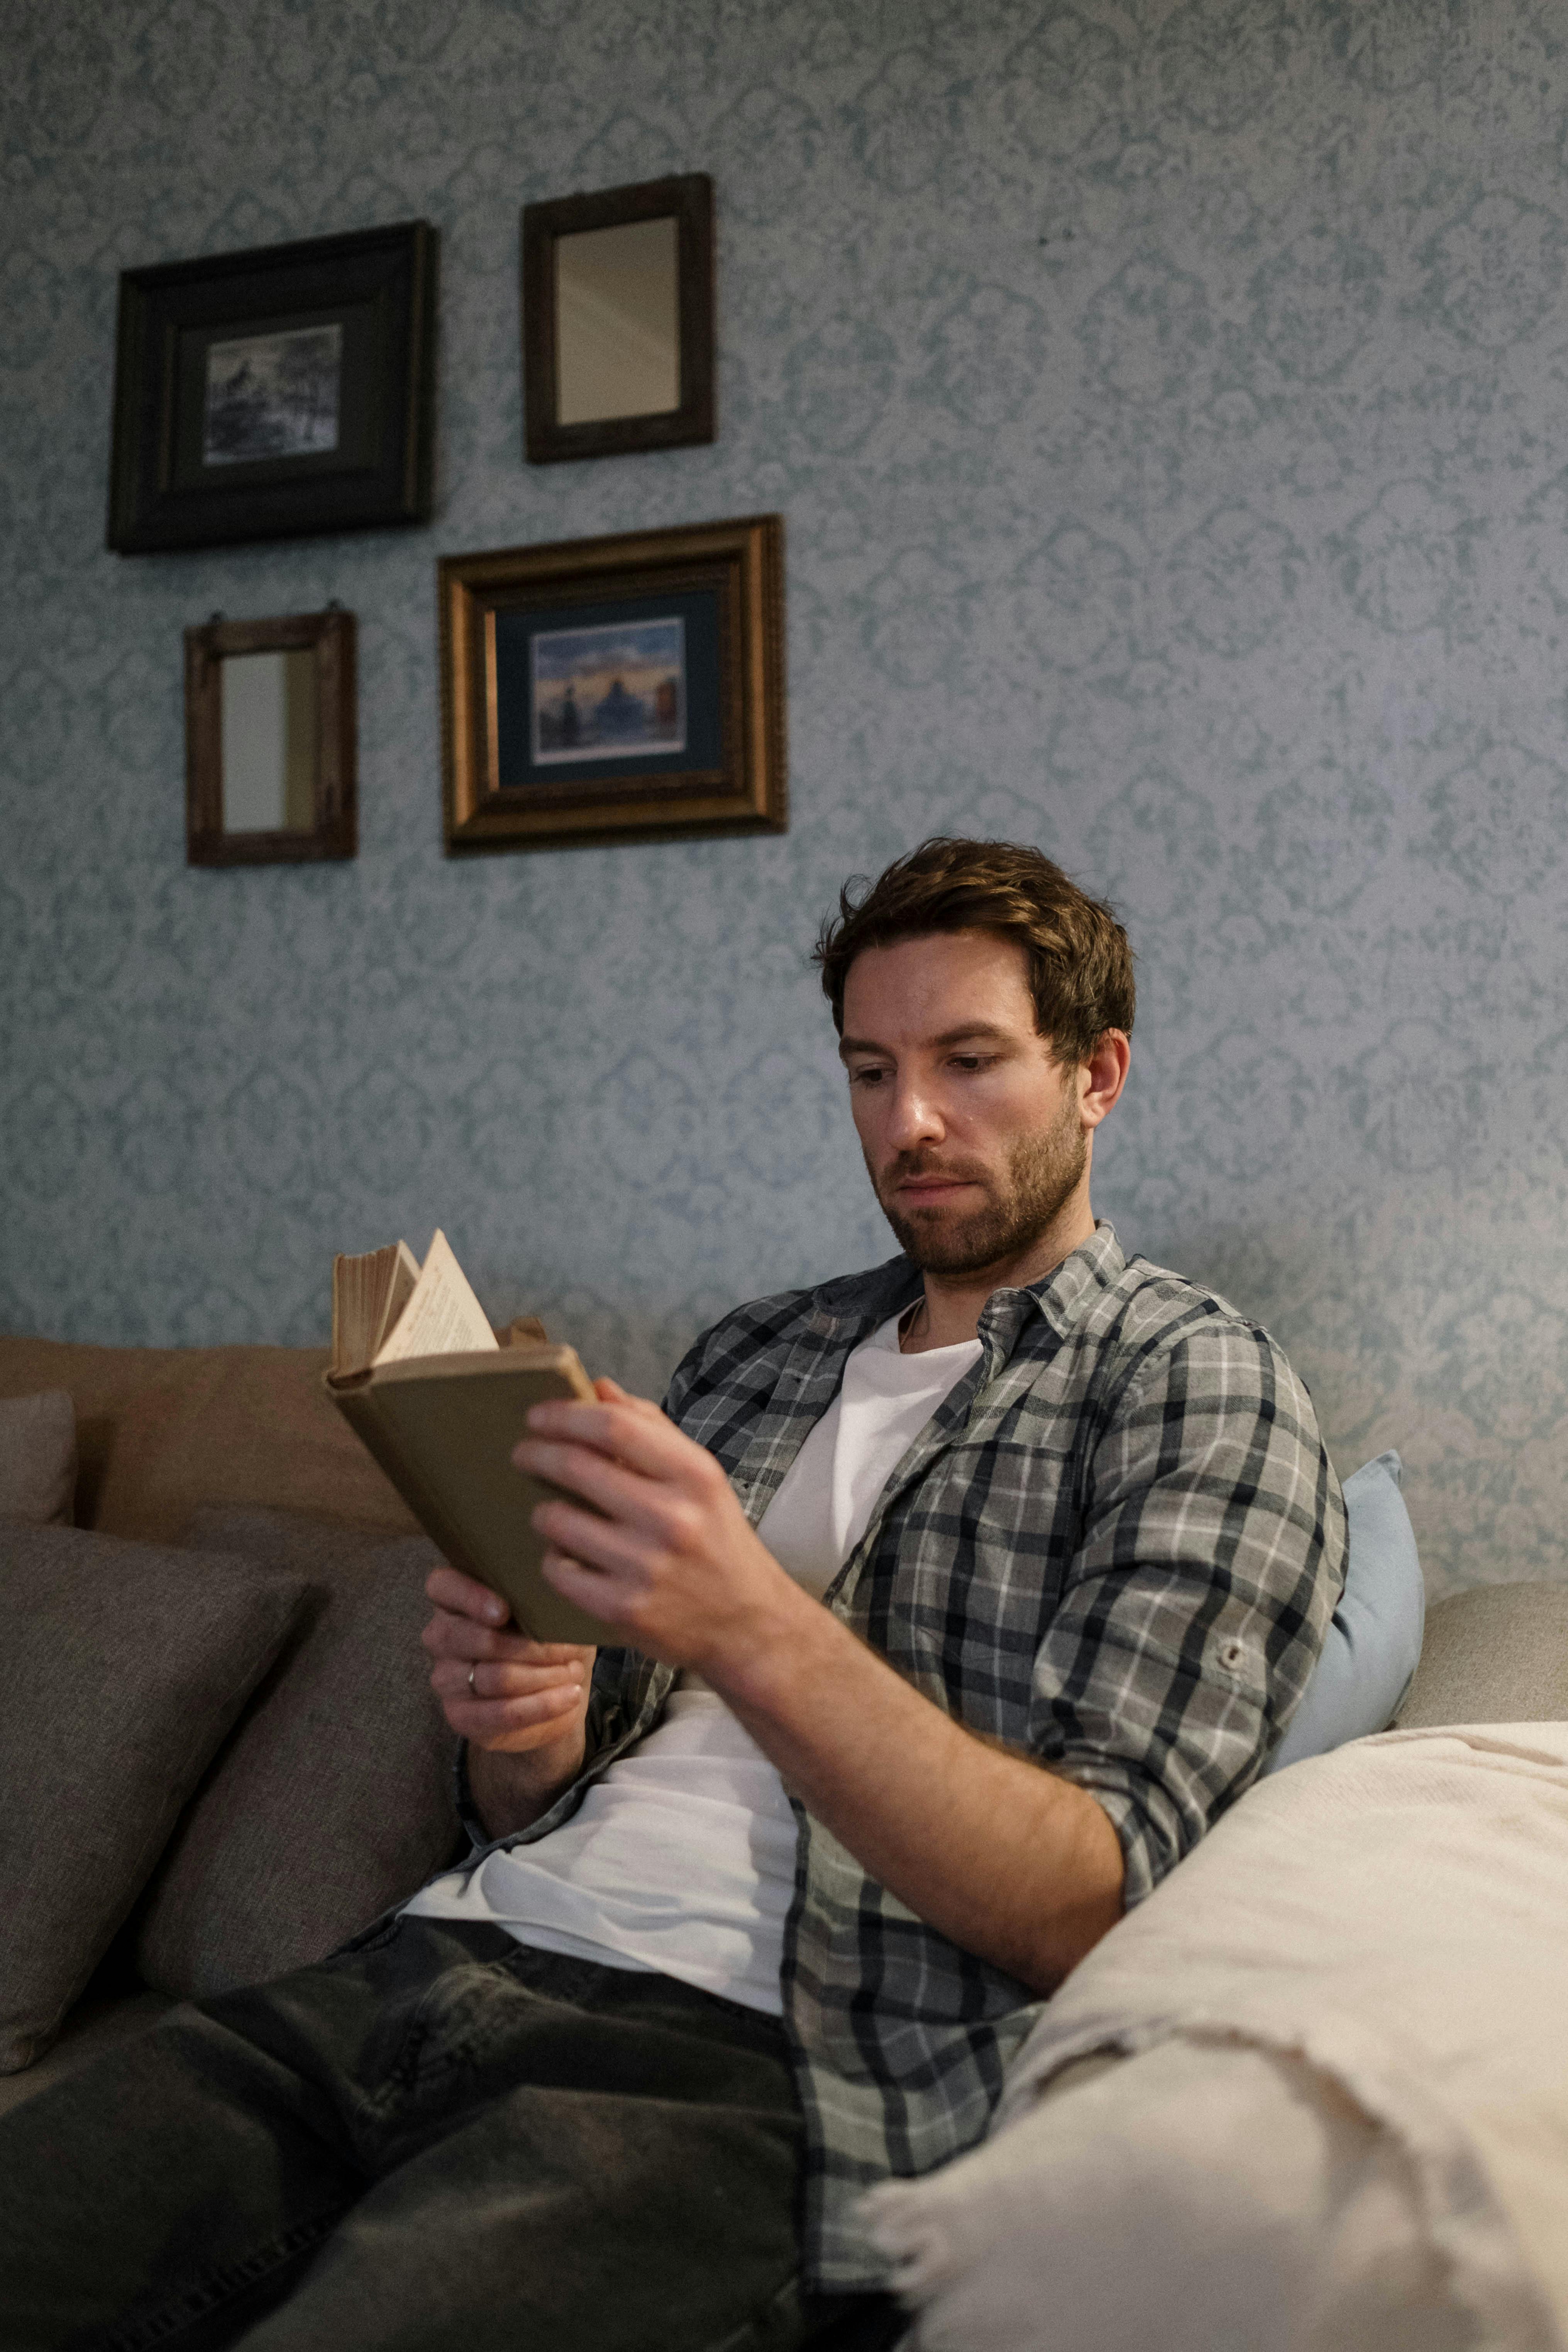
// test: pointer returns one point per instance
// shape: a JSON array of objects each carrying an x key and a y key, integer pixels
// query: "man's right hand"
[{"x": 523, "y": 1711}]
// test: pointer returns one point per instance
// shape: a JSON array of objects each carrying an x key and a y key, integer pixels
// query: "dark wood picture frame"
[
  {"x": 334, "y": 832},
  {"x": 173, "y": 482},
  {"x": 688, "y": 199},
  {"x": 720, "y": 585}
]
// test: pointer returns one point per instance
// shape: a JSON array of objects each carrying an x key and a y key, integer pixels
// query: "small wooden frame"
[
  {"x": 282, "y": 391},
  {"x": 629, "y": 688},
  {"x": 688, "y": 201},
  {"x": 329, "y": 638}
]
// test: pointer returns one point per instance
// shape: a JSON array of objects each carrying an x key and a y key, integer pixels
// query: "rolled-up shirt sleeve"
[{"x": 1211, "y": 1557}]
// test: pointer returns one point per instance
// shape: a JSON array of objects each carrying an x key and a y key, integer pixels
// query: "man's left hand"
[{"x": 665, "y": 1552}]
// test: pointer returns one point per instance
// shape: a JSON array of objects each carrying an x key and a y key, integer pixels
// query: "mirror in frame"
[
  {"x": 618, "y": 320},
  {"x": 270, "y": 729}
]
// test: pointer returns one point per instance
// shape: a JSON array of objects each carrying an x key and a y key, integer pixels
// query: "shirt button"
[{"x": 1232, "y": 1654}]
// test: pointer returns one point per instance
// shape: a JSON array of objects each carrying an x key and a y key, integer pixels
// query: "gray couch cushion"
[
  {"x": 334, "y": 1798},
  {"x": 121, "y": 1667},
  {"x": 1496, "y": 1653},
  {"x": 37, "y": 1459}
]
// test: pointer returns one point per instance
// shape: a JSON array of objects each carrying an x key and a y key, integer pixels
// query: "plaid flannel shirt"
[{"x": 1116, "y": 1547}]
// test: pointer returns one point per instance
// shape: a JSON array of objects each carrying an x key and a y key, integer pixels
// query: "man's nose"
[{"x": 914, "y": 1115}]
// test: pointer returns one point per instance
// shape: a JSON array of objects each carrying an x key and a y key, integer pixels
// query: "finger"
[
  {"x": 619, "y": 1493},
  {"x": 487, "y": 1721},
  {"x": 610, "y": 1391},
  {"x": 599, "y": 1594},
  {"x": 534, "y": 1736},
  {"x": 449, "y": 1588},
  {"x": 498, "y": 1678},
  {"x": 523, "y": 1651},
  {"x": 598, "y": 1543},
  {"x": 449, "y": 1636},
  {"x": 645, "y": 1441}
]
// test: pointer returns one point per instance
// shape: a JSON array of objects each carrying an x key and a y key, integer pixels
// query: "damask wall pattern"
[{"x": 1169, "y": 407}]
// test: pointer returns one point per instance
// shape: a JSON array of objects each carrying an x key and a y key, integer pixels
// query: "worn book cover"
[{"x": 441, "y": 1407}]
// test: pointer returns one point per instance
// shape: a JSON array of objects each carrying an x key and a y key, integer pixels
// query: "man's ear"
[{"x": 1103, "y": 1076}]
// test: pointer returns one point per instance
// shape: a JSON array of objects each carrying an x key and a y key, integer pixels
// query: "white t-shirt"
[{"x": 681, "y": 1857}]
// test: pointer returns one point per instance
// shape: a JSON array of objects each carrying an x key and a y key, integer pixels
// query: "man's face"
[{"x": 973, "y": 1135}]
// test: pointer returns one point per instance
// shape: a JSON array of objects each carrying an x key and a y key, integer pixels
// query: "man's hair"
[{"x": 1080, "y": 966}]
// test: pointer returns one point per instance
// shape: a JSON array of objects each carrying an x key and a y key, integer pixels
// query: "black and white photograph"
[
  {"x": 604, "y": 691},
  {"x": 273, "y": 395}
]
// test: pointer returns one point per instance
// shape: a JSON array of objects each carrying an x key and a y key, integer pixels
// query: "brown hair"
[{"x": 1080, "y": 966}]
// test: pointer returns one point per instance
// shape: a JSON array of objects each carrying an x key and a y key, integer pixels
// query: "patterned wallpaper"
[{"x": 1169, "y": 404}]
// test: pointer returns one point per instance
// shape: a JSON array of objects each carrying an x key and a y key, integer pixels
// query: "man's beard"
[{"x": 1042, "y": 1173}]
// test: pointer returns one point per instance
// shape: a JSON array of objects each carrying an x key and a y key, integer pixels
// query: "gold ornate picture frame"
[{"x": 627, "y": 689}]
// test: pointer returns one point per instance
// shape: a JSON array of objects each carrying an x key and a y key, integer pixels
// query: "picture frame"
[
  {"x": 270, "y": 776},
  {"x": 276, "y": 392},
  {"x": 618, "y": 306},
  {"x": 624, "y": 689}
]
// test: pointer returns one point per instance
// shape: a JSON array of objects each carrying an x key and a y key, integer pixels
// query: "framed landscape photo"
[
  {"x": 624, "y": 689},
  {"x": 274, "y": 393},
  {"x": 618, "y": 320}
]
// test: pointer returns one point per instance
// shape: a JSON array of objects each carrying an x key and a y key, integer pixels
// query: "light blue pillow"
[{"x": 1374, "y": 1644}]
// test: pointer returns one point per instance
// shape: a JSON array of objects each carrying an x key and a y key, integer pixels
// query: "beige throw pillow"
[{"x": 164, "y": 1429}]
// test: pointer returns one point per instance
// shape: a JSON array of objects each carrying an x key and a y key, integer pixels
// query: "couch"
[
  {"x": 220, "y": 1750},
  {"x": 214, "y": 1715}
]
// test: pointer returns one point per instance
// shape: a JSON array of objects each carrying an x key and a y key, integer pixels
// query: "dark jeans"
[{"x": 438, "y": 2139}]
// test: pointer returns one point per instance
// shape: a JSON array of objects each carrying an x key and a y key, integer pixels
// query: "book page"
[
  {"x": 400, "y": 1290},
  {"x": 443, "y": 1318},
  {"x": 368, "y": 1293}
]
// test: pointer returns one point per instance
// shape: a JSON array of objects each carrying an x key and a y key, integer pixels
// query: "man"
[{"x": 957, "y": 1599}]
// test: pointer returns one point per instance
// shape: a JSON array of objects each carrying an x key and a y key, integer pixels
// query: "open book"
[
  {"x": 387, "y": 1306},
  {"x": 424, "y": 1383}
]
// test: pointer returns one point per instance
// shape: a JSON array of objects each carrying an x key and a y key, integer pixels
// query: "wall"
[{"x": 1168, "y": 407}]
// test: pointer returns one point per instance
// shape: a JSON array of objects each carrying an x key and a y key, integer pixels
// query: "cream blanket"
[{"x": 1352, "y": 2006}]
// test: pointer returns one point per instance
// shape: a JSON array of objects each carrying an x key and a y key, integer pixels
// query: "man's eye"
[{"x": 870, "y": 1077}]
